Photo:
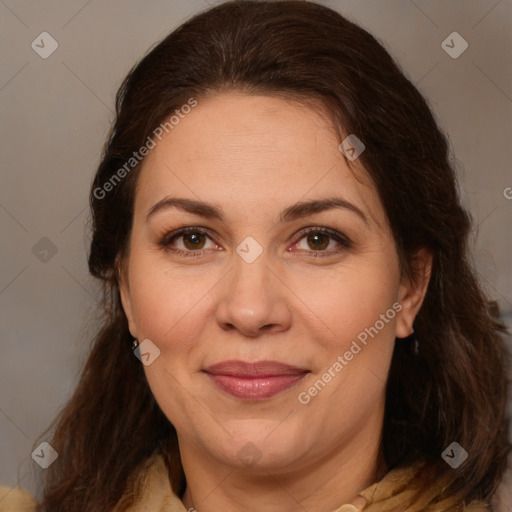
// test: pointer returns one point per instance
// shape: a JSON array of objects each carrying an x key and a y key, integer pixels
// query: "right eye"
[{"x": 191, "y": 240}]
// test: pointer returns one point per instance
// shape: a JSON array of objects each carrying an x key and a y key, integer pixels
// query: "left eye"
[
  {"x": 316, "y": 241},
  {"x": 321, "y": 241}
]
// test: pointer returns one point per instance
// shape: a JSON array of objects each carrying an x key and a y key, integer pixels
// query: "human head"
[{"x": 273, "y": 49}]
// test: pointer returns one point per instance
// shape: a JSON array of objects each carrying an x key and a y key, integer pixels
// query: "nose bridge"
[
  {"x": 251, "y": 276},
  {"x": 252, "y": 298},
  {"x": 251, "y": 268}
]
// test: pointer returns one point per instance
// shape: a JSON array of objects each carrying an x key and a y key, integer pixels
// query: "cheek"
[
  {"x": 170, "y": 309},
  {"x": 163, "y": 298},
  {"x": 350, "y": 300}
]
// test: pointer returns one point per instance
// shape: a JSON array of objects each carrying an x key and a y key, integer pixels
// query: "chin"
[{"x": 256, "y": 450}]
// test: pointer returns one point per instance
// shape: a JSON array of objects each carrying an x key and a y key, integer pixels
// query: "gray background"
[{"x": 55, "y": 116}]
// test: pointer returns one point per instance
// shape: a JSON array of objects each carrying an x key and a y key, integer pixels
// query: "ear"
[
  {"x": 412, "y": 291},
  {"x": 124, "y": 292}
]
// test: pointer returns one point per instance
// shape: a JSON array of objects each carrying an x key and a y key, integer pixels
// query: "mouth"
[{"x": 254, "y": 381}]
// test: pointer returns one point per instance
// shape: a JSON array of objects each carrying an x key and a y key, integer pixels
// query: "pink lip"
[{"x": 254, "y": 381}]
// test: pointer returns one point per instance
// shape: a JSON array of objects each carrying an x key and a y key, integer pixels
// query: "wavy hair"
[{"x": 453, "y": 389}]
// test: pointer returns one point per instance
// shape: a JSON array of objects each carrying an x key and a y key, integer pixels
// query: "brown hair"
[{"x": 454, "y": 389}]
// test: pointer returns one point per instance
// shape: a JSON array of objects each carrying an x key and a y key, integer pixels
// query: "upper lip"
[{"x": 256, "y": 369}]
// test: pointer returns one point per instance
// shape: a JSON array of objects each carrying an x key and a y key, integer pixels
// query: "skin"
[{"x": 253, "y": 156}]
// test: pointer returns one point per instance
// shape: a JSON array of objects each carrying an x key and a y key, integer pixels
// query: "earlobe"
[{"x": 412, "y": 293}]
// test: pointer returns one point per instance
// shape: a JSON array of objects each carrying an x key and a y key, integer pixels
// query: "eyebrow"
[{"x": 294, "y": 212}]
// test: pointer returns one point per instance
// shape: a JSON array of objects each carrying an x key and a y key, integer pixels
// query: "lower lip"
[{"x": 254, "y": 388}]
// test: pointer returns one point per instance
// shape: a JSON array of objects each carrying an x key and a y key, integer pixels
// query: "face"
[{"x": 311, "y": 295}]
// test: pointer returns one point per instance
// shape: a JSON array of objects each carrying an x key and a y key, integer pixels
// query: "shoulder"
[{"x": 16, "y": 500}]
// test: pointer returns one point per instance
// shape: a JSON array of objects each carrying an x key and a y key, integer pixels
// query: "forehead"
[{"x": 243, "y": 151}]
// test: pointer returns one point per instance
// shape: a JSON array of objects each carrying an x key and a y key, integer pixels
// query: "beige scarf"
[
  {"x": 396, "y": 492},
  {"x": 149, "y": 490}
]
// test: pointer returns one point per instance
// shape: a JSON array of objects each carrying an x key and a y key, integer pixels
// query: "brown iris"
[
  {"x": 195, "y": 239},
  {"x": 319, "y": 240}
]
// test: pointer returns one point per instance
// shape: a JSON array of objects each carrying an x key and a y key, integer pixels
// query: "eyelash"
[{"x": 166, "y": 240}]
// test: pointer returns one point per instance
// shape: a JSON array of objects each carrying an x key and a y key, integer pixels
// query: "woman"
[{"x": 293, "y": 322}]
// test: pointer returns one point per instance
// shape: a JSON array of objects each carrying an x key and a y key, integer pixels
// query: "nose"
[{"x": 253, "y": 300}]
